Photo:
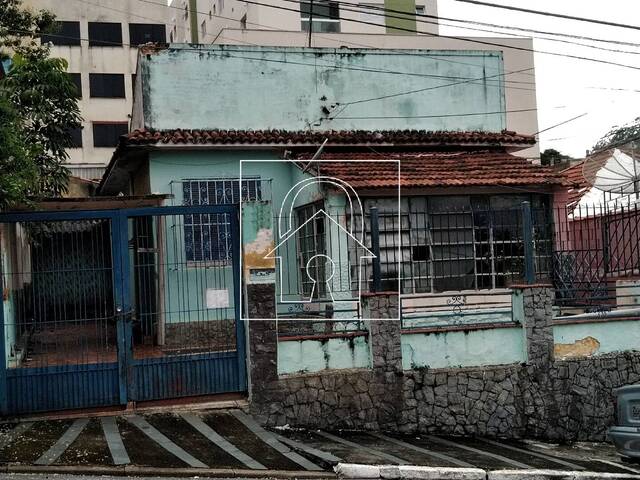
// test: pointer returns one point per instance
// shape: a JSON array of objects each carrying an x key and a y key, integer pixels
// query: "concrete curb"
[
  {"x": 407, "y": 472},
  {"x": 555, "y": 474},
  {"x": 130, "y": 470},
  {"x": 398, "y": 472}
]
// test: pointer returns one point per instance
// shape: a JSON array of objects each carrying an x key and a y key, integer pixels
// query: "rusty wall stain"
[
  {"x": 584, "y": 347},
  {"x": 256, "y": 251}
]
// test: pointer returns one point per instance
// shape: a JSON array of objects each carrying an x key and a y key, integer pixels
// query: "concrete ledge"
[
  {"x": 555, "y": 474},
  {"x": 399, "y": 472}
]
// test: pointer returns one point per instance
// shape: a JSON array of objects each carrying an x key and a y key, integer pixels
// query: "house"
[{"x": 462, "y": 184}]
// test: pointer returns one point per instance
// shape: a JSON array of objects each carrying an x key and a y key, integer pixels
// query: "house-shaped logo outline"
[{"x": 367, "y": 254}]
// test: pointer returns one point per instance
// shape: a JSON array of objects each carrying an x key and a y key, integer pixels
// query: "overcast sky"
[{"x": 578, "y": 86}]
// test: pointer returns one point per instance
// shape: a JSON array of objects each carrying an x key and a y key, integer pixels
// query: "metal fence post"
[
  {"x": 527, "y": 239},
  {"x": 375, "y": 248}
]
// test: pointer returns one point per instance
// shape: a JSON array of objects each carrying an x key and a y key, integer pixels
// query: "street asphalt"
[{"x": 229, "y": 443}]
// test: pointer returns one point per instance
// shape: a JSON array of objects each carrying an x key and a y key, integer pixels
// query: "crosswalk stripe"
[
  {"x": 615, "y": 464},
  {"x": 477, "y": 450},
  {"x": 215, "y": 438},
  {"x": 67, "y": 438},
  {"x": 533, "y": 454},
  {"x": 13, "y": 434},
  {"x": 321, "y": 454},
  {"x": 373, "y": 451},
  {"x": 270, "y": 439},
  {"x": 165, "y": 442},
  {"x": 114, "y": 441},
  {"x": 426, "y": 451}
]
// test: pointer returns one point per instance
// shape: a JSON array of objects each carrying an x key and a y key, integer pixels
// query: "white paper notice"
[{"x": 217, "y": 298}]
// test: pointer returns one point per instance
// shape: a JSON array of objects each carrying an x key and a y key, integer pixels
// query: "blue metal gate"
[{"x": 109, "y": 306}]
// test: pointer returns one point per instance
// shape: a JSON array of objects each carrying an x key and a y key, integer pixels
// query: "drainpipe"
[{"x": 193, "y": 20}]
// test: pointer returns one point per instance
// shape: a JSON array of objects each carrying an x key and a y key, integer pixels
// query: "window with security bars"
[
  {"x": 207, "y": 237},
  {"x": 457, "y": 242}
]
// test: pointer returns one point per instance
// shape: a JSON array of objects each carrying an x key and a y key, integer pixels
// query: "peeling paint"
[
  {"x": 255, "y": 252},
  {"x": 584, "y": 347}
]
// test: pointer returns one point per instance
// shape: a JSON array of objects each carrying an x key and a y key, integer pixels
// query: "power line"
[
  {"x": 463, "y": 39},
  {"x": 469, "y": 114},
  {"x": 561, "y": 123},
  {"x": 551, "y": 14},
  {"x": 419, "y": 17},
  {"x": 319, "y": 14}
]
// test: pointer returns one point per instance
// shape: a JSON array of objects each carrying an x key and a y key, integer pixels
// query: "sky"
[{"x": 566, "y": 87}]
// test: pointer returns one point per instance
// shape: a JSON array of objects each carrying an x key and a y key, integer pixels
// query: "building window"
[
  {"x": 456, "y": 242},
  {"x": 76, "y": 137},
  {"x": 243, "y": 22},
  {"x": 105, "y": 34},
  {"x": 108, "y": 134},
  {"x": 419, "y": 9},
  {"x": 310, "y": 241},
  {"x": 141, "y": 33},
  {"x": 325, "y": 18},
  {"x": 76, "y": 78},
  {"x": 221, "y": 6},
  {"x": 203, "y": 29},
  {"x": 64, "y": 33},
  {"x": 106, "y": 85},
  {"x": 207, "y": 237}
]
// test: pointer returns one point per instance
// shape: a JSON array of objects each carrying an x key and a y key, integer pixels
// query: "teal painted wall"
[
  {"x": 306, "y": 356},
  {"x": 463, "y": 349},
  {"x": 612, "y": 336},
  {"x": 250, "y": 87}
]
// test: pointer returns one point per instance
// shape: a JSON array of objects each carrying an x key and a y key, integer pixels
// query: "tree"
[
  {"x": 21, "y": 173},
  {"x": 619, "y": 136},
  {"x": 39, "y": 98},
  {"x": 552, "y": 156}
]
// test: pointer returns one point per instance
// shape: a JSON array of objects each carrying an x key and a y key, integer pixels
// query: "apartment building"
[
  {"x": 99, "y": 38},
  {"x": 204, "y": 21}
]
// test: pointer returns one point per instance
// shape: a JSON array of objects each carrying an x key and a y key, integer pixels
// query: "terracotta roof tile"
[
  {"x": 437, "y": 169},
  {"x": 336, "y": 137}
]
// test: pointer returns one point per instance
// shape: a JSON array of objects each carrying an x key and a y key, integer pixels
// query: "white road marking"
[
  {"x": 477, "y": 450},
  {"x": 426, "y": 451},
  {"x": 372, "y": 451},
  {"x": 321, "y": 454},
  {"x": 218, "y": 440},
  {"x": 63, "y": 442},
  {"x": 165, "y": 442},
  {"x": 114, "y": 441},
  {"x": 617, "y": 465},
  {"x": 270, "y": 439},
  {"x": 534, "y": 454}
]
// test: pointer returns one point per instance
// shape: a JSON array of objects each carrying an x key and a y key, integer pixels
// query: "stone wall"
[{"x": 561, "y": 400}]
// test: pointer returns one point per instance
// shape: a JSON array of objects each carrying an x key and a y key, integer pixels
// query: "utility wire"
[
  {"x": 551, "y": 14},
  {"x": 403, "y": 15},
  {"x": 463, "y": 39},
  {"x": 469, "y": 114},
  {"x": 561, "y": 123}
]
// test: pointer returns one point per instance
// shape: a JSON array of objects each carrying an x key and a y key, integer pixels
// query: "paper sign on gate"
[{"x": 217, "y": 298}]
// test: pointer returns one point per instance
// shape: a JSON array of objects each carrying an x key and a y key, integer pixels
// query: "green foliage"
[
  {"x": 40, "y": 98},
  {"x": 552, "y": 156},
  {"x": 19, "y": 172},
  {"x": 619, "y": 136},
  {"x": 20, "y": 27}
]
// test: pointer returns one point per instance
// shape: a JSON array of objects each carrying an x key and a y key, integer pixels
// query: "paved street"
[{"x": 230, "y": 440}]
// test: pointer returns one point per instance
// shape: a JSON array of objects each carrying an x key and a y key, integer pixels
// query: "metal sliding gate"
[{"x": 105, "y": 307}]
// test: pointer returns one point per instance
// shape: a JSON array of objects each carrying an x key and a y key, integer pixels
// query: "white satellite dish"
[{"x": 614, "y": 172}]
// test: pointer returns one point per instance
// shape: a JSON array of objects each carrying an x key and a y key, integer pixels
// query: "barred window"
[{"x": 207, "y": 237}]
